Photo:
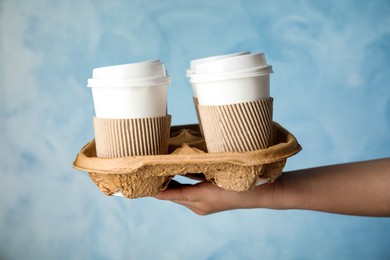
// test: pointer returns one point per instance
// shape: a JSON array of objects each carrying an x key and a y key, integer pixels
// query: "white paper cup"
[
  {"x": 136, "y": 90},
  {"x": 143, "y": 100}
]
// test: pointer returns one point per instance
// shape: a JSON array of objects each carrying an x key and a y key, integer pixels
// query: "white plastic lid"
[
  {"x": 254, "y": 72},
  {"x": 196, "y": 62},
  {"x": 128, "y": 83},
  {"x": 153, "y": 68},
  {"x": 228, "y": 64}
]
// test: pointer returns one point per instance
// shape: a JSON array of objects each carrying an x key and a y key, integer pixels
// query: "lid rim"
[
  {"x": 196, "y": 78},
  {"x": 127, "y": 83}
]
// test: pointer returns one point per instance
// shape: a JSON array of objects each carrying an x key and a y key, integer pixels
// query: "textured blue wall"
[{"x": 331, "y": 89}]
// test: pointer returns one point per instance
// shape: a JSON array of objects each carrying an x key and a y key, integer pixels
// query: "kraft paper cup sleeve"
[
  {"x": 238, "y": 127},
  {"x": 131, "y": 137},
  {"x": 236, "y": 171}
]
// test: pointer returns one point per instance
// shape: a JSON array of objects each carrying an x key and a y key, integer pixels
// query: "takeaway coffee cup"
[
  {"x": 136, "y": 90},
  {"x": 233, "y": 103},
  {"x": 130, "y": 103}
]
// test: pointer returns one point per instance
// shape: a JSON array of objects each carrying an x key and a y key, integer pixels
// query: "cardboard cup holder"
[{"x": 146, "y": 175}]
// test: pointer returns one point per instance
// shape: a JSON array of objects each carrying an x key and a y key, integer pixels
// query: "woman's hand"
[{"x": 206, "y": 198}]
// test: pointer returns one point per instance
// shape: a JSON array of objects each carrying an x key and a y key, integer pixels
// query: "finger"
[
  {"x": 175, "y": 191},
  {"x": 193, "y": 207},
  {"x": 188, "y": 192}
]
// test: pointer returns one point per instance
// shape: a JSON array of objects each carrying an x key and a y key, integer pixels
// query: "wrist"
[{"x": 283, "y": 193}]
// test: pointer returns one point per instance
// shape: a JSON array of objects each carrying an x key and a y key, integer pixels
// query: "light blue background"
[{"x": 331, "y": 89}]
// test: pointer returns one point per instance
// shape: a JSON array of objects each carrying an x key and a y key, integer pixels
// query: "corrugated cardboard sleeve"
[
  {"x": 238, "y": 127},
  {"x": 237, "y": 171},
  {"x": 131, "y": 137}
]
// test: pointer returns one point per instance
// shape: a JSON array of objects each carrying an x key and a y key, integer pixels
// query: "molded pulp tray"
[{"x": 142, "y": 176}]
